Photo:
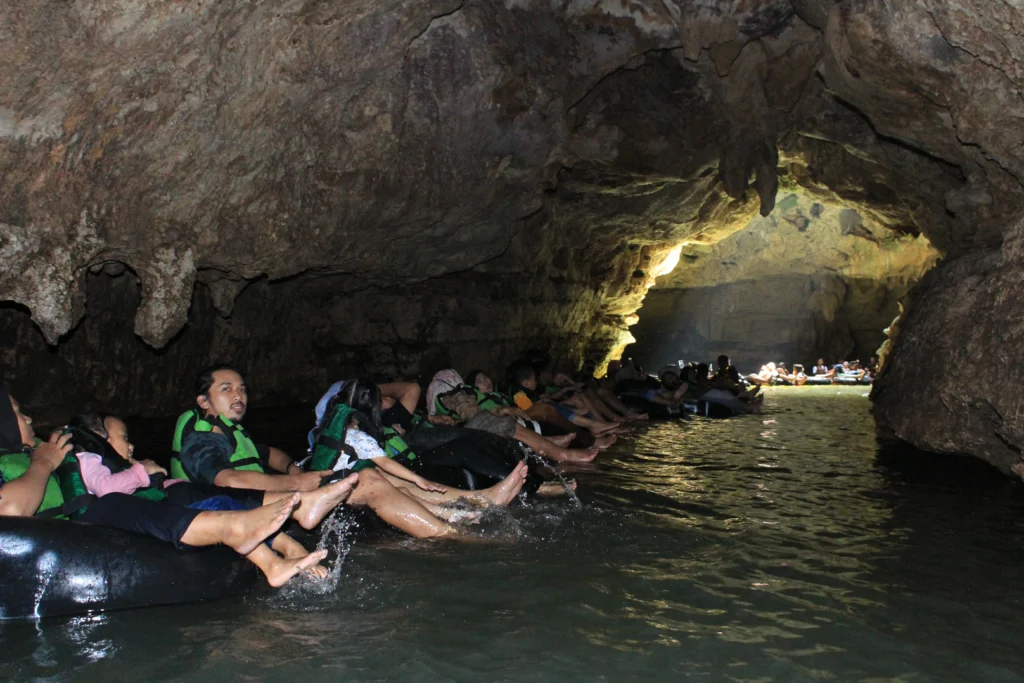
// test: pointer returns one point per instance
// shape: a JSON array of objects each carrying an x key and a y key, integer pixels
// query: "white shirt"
[{"x": 365, "y": 446}]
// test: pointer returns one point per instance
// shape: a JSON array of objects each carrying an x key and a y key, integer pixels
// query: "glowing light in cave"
[{"x": 670, "y": 262}]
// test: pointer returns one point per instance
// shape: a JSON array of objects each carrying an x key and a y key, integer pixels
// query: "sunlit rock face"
[
  {"x": 313, "y": 187},
  {"x": 813, "y": 279}
]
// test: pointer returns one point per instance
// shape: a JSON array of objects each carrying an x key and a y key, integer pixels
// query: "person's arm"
[
  {"x": 560, "y": 394},
  {"x": 100, "y": 481},
  {"x": 282, "y": 462},
  {"x": 510, "y": 411},
  {"x": 397, "y": 469},
  {"x": 21, "y": 497},
  {"x": 406, "y": 393},
  {"x": 245, "y": 479},
  {"x": 206, "y": 458}
]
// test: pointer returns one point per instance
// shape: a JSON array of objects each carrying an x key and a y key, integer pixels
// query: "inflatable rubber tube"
[
  {"x": 58, "y": 568},
  {"x": 724, "y": 400}
]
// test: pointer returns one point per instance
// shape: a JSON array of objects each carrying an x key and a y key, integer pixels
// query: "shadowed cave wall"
[{"x": 312, "y": 188}]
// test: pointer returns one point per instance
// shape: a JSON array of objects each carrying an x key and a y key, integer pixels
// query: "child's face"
[
  {"x": 117, "y": 437},
  {"x": 484, "y": 384},
  {"x": 28, "y": 435},
  {"x": 530, "y": 382}
]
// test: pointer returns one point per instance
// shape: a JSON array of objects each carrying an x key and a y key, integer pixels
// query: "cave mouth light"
[{"x": 670, "y": 262}]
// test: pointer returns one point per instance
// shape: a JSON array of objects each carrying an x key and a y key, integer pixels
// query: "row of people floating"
[{"x": 427, "y": 475}]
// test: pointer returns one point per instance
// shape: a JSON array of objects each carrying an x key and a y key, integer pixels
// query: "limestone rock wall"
[{"x": 952, "y": 382}]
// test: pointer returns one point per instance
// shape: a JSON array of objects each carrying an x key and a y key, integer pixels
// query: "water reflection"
[{"x": 785, "y": 546}]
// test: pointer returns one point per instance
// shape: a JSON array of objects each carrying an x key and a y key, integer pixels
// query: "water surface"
[{"x": 787, "y": 546}]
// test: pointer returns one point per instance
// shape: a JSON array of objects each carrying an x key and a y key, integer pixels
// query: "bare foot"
[
  {"x": 603, "y": 442},
  {"x": 458, "y": 514},
  {"x": 505, "y": 491},
  {"x": 563, "y": 440},
  {"x": 250, "y": 528},
  {"x": 318, "y": 572},
  {"x": 281, "y": 569},
  {"x": 577, "y": 454},
  {"x": 316, "y": 504},
  {"x": 296, "y": 551},
  {"x": 554, "y": 489}
]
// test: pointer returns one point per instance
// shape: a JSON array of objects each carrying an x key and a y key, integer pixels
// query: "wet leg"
[
  {"x": 397, "y": 509},
  {"x": 279, "y": 570},
  {"x": 241, "y": 531}
]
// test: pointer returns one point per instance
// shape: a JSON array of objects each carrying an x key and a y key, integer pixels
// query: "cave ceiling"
[{"x": 394, "y": 142}]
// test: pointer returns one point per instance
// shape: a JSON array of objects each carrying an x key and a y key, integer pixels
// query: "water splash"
[
  {"x": 536, "y": 458},
  {"x": 337, "y": 536}
]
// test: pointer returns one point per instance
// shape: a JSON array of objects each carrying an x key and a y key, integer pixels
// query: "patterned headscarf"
[{"x": 444, "y": 381}]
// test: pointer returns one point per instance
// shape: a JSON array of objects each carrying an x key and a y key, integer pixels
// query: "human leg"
[
  {"x": 397, "y": 509},
  {"x": 547, "y": 413},
  {"x": 316, "y": 504},
  {"x": 279, "y": 570},
  {"x": 595, "y": 427},
  {"x": 313, "y": 507},
  {"x": 182, "y": 526},
  {"x": 502, "y": 493},
  {"x": 240, "y": 530},
  {"x": 406, "y": 393},
  {"x": 548, "y": 449},
  {"x": 613, "y": 402}
]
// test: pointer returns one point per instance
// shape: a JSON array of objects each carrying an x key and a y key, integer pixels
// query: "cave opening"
[{"x": 812, "y": 280}]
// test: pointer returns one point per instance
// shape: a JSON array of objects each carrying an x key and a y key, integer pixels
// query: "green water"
[{"x": 787, "y": 546}]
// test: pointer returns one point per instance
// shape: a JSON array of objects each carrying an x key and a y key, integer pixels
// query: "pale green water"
[{"x": 781, "y": 547}]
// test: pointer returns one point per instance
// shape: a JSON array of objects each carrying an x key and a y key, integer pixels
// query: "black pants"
[
  {"x": 159, "y": 519},
  {"x": 187, "y": 493},
  {"x": 167, "y": 519}
]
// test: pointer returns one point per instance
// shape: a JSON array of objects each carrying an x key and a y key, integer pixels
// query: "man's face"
[
  {"x": 227, "y": 396},
  {"x": 28, "y": 435},
  {"x": 821, "y": 361}
]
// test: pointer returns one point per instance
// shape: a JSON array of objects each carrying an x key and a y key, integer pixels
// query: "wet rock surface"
[
  {"x": 240, "y": 161},
  {"x": 952, "y": 381}
]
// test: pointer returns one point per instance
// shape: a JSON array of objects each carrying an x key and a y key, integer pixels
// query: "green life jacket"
[
  {"x": 491, "y": 401},
  {"x": 14, "y": 464},
  {"x": 72, "y": 484},
  {"x": 329, "y": 443},
  {"x": 439, "y": 407},
  {"x": 420, "y": 422},
  {"x": 396, "y": 447},
  {"x": 245, "y": 456}
]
